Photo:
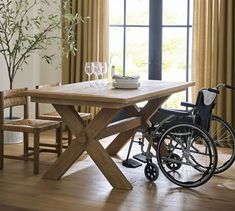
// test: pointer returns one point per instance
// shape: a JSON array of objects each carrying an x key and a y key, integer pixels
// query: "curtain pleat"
[
  {"x": 92, "y": 41},
  {"x": 213, "y": 51}
]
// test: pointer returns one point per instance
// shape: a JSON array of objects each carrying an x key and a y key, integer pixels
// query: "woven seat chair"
[
  {"x": 56, "y": 116},
  {"x": 11, "y": 98}
]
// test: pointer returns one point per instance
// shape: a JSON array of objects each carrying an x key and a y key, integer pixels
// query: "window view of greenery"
[
  {"x": 129, "y": 32},
  {"x": 137, "y": 52},
  {"x": 174, "y": 46},
  {"x": 135, "y": 29}
]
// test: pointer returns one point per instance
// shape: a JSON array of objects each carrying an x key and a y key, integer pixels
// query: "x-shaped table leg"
[
  {"x": 146, "y": 113},
  {"x": 87, "y": 140}
]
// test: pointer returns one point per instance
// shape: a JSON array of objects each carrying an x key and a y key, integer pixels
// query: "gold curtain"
[
  {"x": 213, "y": 56},
  {"x": 92, "y": 41}
]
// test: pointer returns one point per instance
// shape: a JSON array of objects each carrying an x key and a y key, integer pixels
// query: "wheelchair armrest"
[
  {"x": 187, "y": 104},
  {"x": 175, "y": 112}
]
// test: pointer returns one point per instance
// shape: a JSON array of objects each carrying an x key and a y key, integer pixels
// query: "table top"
[{"x": 105, "y": 96}]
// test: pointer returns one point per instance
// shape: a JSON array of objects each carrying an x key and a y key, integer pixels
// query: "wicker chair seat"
[
  {"x": 29, "y": 125},
  {"x": 26, "y": 125}
]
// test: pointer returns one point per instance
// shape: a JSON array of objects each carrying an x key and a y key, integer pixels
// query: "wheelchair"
[{"x": 188, "y": 144}]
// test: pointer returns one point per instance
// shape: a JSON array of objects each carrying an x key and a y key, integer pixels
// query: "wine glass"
[
  {"x": 104, "y": 70},
  {"x": 97, "y": 69},
  {"x": 89, "y": 71}
]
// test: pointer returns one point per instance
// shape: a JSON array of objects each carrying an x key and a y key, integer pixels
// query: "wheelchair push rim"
[{"x": 192, "y": 150}]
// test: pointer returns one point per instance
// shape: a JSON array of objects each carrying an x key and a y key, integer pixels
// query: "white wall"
[
  {"x": 4, "y": 82},
  {"x": 51, "y": 73}
]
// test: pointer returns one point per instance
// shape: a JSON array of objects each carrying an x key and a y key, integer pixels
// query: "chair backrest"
[
  {"x": 37, "y": 107},
  {"x": 205, "y": 104},
  {"x": 11, "y": 98}
]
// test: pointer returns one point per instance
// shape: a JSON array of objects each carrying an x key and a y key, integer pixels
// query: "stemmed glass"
[
  {"x": 89, "y": 71},
  {"x": 104, "y": 70},
  {"x": 97, "y": 69}
]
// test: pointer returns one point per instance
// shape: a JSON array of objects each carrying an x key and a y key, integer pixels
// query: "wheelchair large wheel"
[
  {"x": 224, "y": 138},
  {"x": 192, "y": 150}
]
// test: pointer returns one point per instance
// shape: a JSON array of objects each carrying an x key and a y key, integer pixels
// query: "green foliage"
[{"x": 26, "y": 27}]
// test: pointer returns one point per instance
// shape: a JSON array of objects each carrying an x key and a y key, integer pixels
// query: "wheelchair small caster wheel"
[
  {"x": 174, "y": 165},
  {"x": 151, "y": 171}
]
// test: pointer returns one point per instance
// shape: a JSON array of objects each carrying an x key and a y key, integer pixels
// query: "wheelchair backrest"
[{"x": 204, "y": 105}]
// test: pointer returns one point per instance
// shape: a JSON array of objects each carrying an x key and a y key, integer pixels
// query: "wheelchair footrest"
[
  {"x": 130, "y": 163},
  {"x": 140, "y": 157}
]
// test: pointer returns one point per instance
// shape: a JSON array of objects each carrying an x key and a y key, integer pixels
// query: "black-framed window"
[{"x": 152, "y": 38}]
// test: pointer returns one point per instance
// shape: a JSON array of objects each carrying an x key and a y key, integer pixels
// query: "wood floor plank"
[{"x": 85, "y": 188}]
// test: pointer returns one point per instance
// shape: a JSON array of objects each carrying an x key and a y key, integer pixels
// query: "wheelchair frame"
[{"x": 199, "y": 120}]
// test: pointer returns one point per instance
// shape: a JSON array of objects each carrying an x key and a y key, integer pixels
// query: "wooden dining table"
[{"x": 111, "y": 101}]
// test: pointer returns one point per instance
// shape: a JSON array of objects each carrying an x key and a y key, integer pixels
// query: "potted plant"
[{"x": 27, "y": 27}]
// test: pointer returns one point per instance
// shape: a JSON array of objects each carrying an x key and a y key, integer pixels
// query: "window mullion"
[
  {"x": 124, "y": 41},
  {"x": 187, "y": 48},
  {"x": 155, "y": 39}
]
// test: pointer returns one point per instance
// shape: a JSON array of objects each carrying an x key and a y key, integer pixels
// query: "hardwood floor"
[{"x": 87, "y": 189}]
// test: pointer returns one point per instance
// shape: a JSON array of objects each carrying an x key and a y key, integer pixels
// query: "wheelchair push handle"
[
  {"x": 225, "y": 86},
  {"x": 229, "y": 87}
]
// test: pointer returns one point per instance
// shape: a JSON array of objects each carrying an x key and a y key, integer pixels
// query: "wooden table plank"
[{"x": 79, "y": 94}]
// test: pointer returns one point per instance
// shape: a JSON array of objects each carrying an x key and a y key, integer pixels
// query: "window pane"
[
  {"x": 190, "y": 65},
  {"x": 174, "y": 101},
  {"x": 116, "y": 48},
  {"x": 191, "y": 13},
  {"x": 190, "y": 54},
  {"x": 174, "y": 12},
  {"x": 174, "y": 61},
  {"x": 174, "y": 54},
  {"x": 137, "y": 12},
  {"x": 116, "y": 12},
  {"x": 137, "y": 52}
]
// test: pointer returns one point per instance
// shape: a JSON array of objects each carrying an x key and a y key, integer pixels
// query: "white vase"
[{"x": 12, "y": 137}]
